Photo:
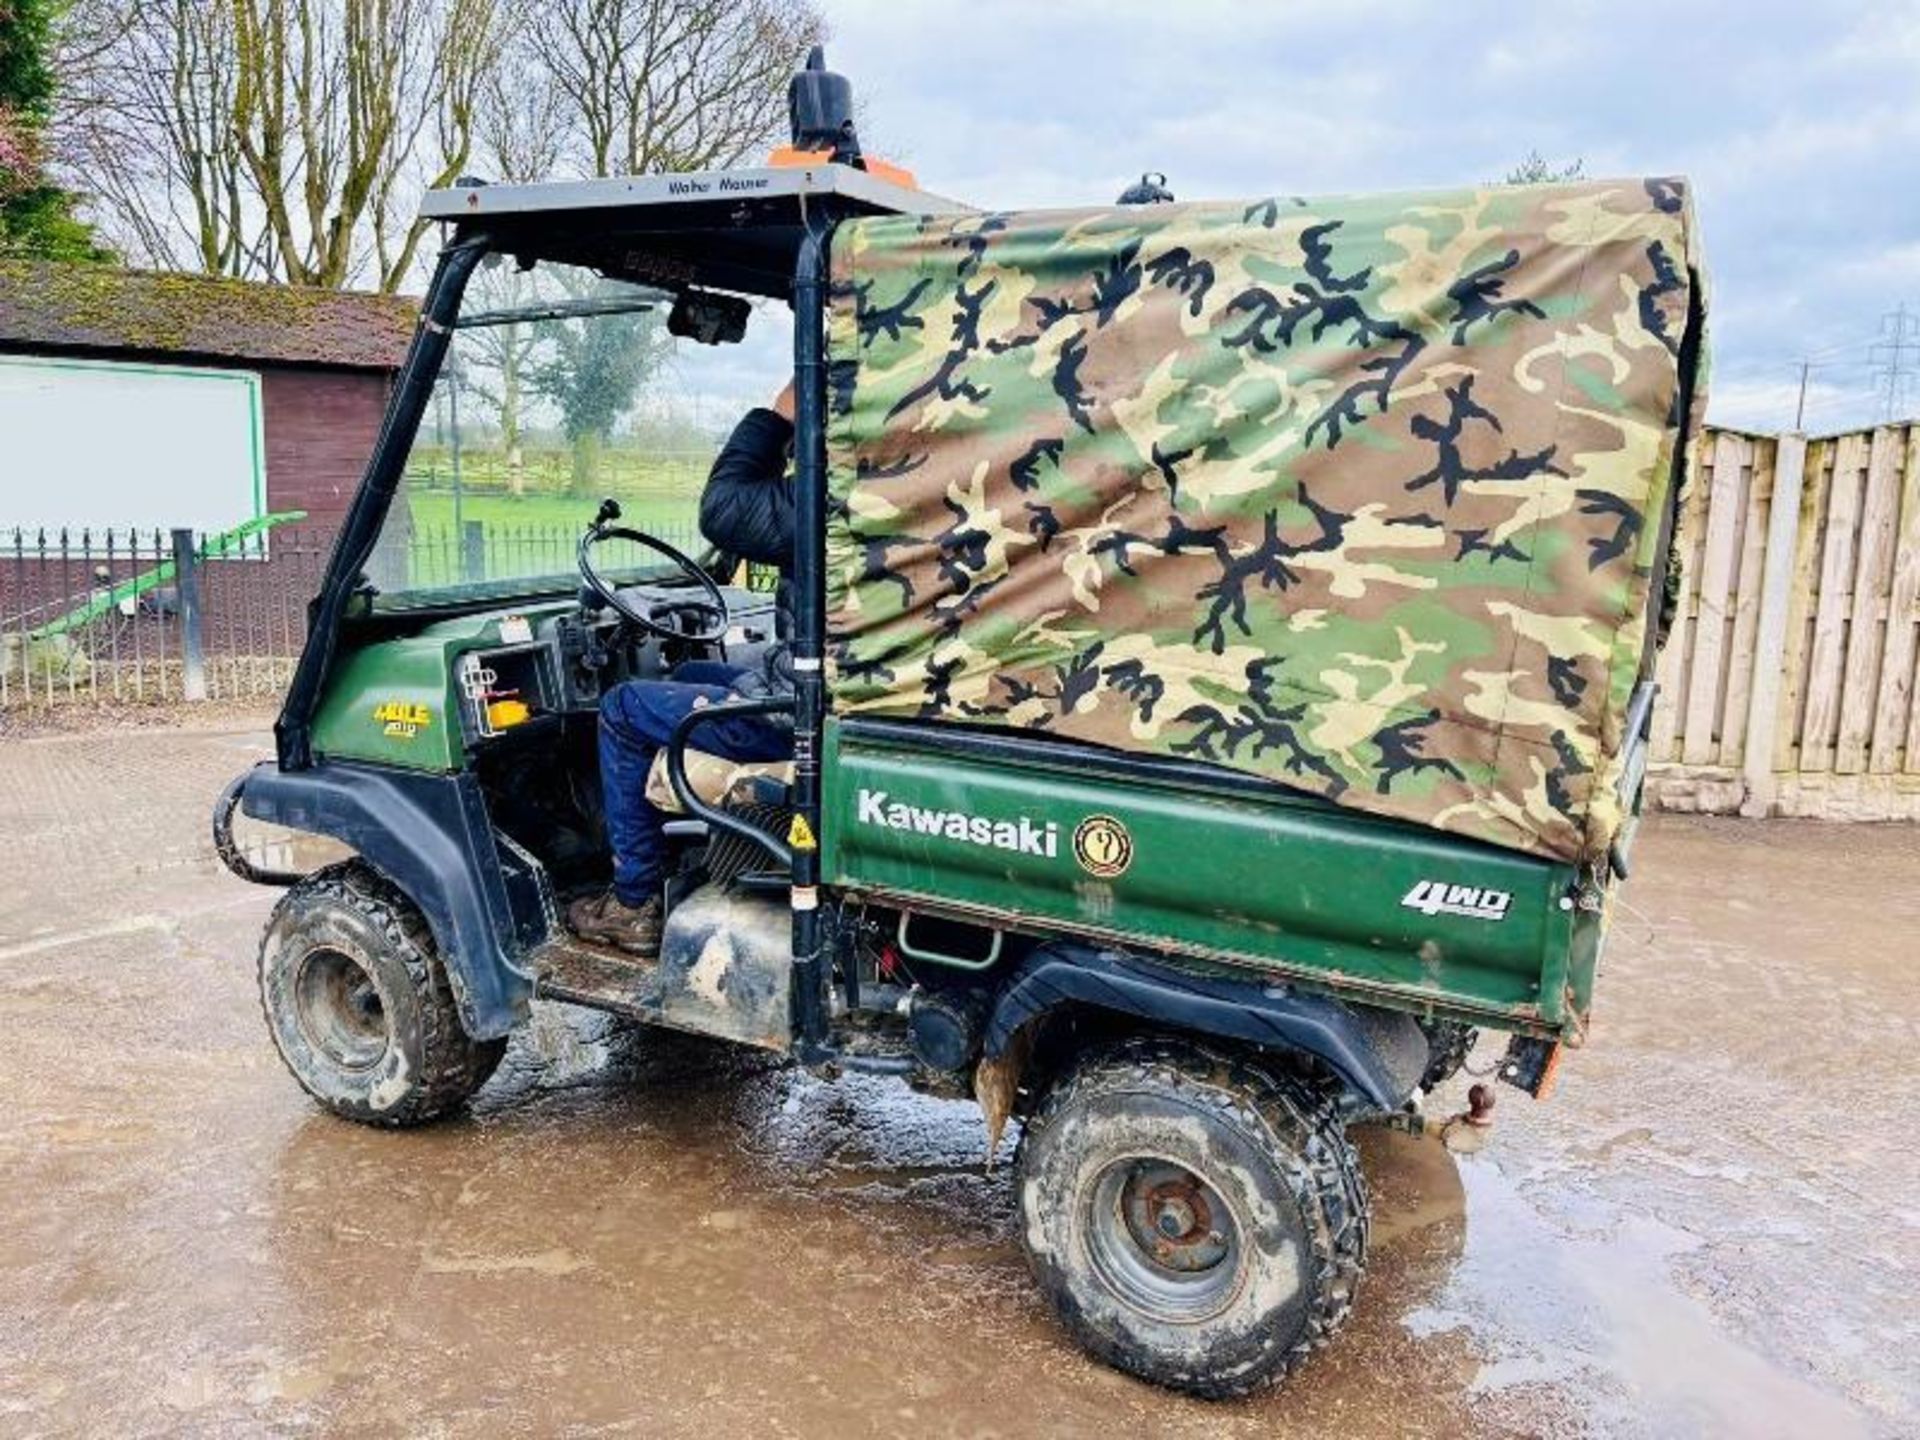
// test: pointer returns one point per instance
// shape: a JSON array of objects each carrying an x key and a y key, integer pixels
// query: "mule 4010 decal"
[
  {"x": 401, "y": 719},
  {"x": 1437, "y": 897}
]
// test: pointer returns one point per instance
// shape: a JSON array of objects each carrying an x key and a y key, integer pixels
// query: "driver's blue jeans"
[{"x": 636, "y": 719}]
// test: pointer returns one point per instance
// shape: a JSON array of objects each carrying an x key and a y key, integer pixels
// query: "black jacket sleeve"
[{"x": 747, "y": 507}]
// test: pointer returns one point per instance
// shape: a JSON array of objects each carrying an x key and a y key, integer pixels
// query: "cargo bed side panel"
[{"x": 1062, "y": 837}]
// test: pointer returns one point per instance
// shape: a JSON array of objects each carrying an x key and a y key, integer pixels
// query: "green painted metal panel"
[
  {"x": 394, "y": 702},
  {"x": 1271, "y": 879}
]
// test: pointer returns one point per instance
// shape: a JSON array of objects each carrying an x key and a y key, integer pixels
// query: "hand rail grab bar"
[{"x": 677, "y": 769}]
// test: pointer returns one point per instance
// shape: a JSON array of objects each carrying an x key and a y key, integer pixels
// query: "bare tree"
[
  {"x": 521, "y": 133},
  {"x": 500, "y": 354},
  {"x": 628, "y": 87},
  {"x": 339, "y": 103},
  {"x": 148, "y": 122},
  {"x": 287, "y": 139},
  {"x": 522, "y": 127},
  {"x": 650, "y": 85},
  {"x": 290, "y": 139}
]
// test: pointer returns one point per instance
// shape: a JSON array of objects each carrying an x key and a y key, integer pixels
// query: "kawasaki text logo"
[
  {"x": 1436, "y": 897},
  {"x": 1021, "y": 835}
]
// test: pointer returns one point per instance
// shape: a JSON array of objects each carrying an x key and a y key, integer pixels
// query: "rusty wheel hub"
[
  {"x": 1171, "y": 1218},
  {"x": 1163, "y": 1239},
  {"x": 339, "y": 1009}
]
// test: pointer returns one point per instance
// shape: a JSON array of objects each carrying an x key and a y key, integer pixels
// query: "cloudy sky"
[{"x": 1799, "y": 124}]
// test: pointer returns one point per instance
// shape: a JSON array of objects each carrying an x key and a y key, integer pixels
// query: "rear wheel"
[
  {"x": 359, "y": 1005},
  {"x": 1194, "y": 1219}
]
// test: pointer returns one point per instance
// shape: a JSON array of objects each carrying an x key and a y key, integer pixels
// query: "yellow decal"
[
  {"x": 401, "y": 719},
  {"x": 1102, "y": 846},
  {"x": 800, "y": 834},
  {"x": 505, "y": 714}
]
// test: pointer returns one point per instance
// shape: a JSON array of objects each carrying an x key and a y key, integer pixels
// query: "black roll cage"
[
  {"x": 627, "y": 255},
  {"x": 292, "y": 732}
]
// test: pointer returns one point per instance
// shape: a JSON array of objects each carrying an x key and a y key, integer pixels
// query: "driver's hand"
[{"x": 783, "y": 403}]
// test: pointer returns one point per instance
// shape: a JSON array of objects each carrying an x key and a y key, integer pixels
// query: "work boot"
[{"x": 608, "y": 920}]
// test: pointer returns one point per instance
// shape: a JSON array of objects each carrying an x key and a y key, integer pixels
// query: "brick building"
[{"x": 137, "y": 399}]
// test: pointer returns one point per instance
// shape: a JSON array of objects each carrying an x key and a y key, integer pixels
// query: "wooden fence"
[{"x": 1788, "y": 685}]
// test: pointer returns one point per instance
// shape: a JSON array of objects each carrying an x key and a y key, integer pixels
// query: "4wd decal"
[
  {"x": 401, "y": 719},
  {"x": 1437, "y": 897},
  {"x": 1022, "y": 834}
]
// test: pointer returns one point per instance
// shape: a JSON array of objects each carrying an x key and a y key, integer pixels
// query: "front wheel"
[
  {"x": 1194, "y": 1220},
  {"x": 359, "y": 1006}
]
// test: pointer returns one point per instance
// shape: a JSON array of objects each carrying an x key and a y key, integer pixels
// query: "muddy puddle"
[{"x": 1710, "y": 1230}]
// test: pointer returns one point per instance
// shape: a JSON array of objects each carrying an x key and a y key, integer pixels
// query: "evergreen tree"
[{"x": 36, "y": 215}]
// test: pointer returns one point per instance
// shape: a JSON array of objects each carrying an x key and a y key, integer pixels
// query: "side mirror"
[{"x": 710, "y": 319}]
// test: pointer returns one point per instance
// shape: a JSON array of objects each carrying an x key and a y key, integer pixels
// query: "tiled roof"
[{"x": 96, "y": 307}]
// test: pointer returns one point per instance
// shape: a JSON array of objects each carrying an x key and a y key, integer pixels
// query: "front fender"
[
  {"x": 1380, "y": 1054},
  {"x": 430, "y": 835}
]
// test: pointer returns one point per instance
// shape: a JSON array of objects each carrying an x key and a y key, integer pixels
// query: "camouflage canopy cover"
[{"x": 1364, "y": 495}]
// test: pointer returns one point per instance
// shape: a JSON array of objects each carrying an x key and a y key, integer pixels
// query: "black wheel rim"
[
  {"x": 340, "y": 1010},
  {"x": 1164, "y": 1240}
]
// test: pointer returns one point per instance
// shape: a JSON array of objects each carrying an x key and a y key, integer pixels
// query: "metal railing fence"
[{"x": 142, "y": 615}]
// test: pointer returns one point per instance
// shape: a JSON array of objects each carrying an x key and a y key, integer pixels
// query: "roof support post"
[
  {"x": 361, "y": 528},
  {"x": 810, "y": 964}
]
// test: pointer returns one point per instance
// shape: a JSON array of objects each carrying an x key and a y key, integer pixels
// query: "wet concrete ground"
[{"x": 1712, "y": 1229}]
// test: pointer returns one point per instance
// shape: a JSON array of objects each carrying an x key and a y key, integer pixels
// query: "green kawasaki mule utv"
[{"x": 1220, "y": 640}]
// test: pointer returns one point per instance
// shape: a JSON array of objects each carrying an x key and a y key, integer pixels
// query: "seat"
[{"x": 711, "y": 778}]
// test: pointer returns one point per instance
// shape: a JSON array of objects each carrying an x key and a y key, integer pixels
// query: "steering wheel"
[{"x": 713, "y": 603}]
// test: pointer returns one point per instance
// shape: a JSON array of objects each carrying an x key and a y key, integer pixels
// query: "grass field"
[
  {"x": 535, "y": 533},
  {"x": 618, "y": 470},
  {"x": 669, "y": 514}
]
